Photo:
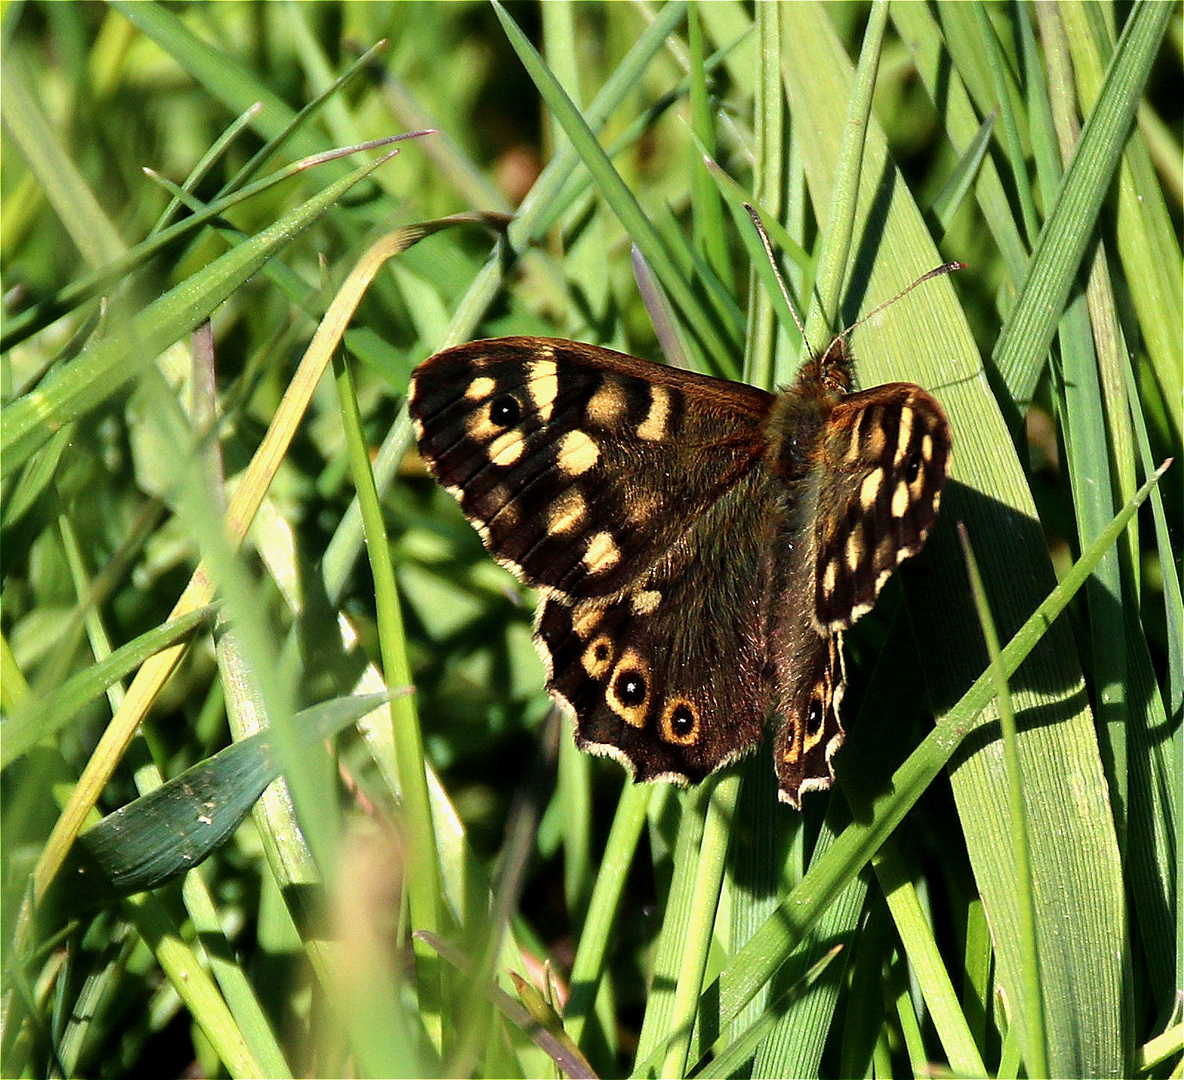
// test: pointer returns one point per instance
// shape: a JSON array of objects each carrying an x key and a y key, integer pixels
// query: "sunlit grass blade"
[
  {"x": 602, "y": 908},
  {"x": 560, "y": 1049},
  {"x": 98, "y": 372},
  {"x": 174, "y": 827},
  {"x": 1021, "y": 346},
  {"x": 245, "y": 503},
  {"x": 964, "y": 176},
  {"x": 738, "y": 1052},
  {"x": 1031, "y": 1013},
  {"x": 623, "y": 202}
]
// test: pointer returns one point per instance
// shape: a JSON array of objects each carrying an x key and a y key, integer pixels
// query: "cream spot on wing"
[
  {"x": 577, "y": 453},
  {"x": 900, "y": 500},
  {"x": 496, "y": 503},
  {"x": 505, "y": 510},
  {"x": 854, "y": 550},
  {"x": 642, "y": 507},
  {"x": 480, "y": 428},
  {"x": 507, "y": 448},
  {"x": 566, "y": 512},
  {"x": 926, "y": 457},
  {"x": 481, "y": 387},
  {"x": 870, "y": 489},
  {"x": 830, "y": 577},
  {"x": 873, "y": 449},
  {"x": 852, "y": 454},
  {"x": 904, "y": 435},
  {"x": 607, "y": 406},
  {"x": 645, "y": 602},
  {"x": 867, "y": 435},
  {"x": 543, "y": 386},
  {"x": 654, "y": 426},
  {"x": 858, "y": 611},
  {"x": 602, "y": 553},
  {"x": 586, "y": 619}
]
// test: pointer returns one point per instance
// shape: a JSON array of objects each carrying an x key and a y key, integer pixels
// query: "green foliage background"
[{"x": 993, "y": 886}]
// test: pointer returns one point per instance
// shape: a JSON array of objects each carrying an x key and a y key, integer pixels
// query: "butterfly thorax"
[{"x": 792, "y": 432}]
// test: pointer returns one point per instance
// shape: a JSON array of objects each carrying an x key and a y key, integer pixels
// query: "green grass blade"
[
  {"x": 24, "y": 728},
  {"x": 101, "y": 370},
  {"x": 620, "y": 198},
  {"x": 1021, "y": 347},
  {"x": 602, "y": 908},
  {"x": 682, "y": 923},
  {"x": 170, "y": 830},
  {"x": 1032, "y": 1009}
]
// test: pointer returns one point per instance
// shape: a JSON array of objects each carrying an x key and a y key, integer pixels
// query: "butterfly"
[{"x": 698, "y": 545}]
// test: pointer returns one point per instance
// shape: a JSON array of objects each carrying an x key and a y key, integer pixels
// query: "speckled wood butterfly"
[{"x": 699, "y": 545}]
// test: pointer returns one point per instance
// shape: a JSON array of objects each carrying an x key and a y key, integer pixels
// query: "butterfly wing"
[
  {"x": 809, "y": 730},
  {"x": 580, "y": 466},
  {"x": 672, "y": 678},
  {"x": 884, "y": 460}
]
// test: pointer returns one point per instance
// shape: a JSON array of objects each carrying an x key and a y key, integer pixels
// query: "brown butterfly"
[{"x": 699, "y": 545}]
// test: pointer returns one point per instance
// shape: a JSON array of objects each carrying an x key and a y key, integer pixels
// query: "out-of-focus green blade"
[{"x": 173, "y": 828}]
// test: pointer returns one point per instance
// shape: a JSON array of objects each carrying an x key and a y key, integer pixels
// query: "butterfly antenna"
[
  {"x": 937, "y": 271},
  {"x": 768, "y": 246}
]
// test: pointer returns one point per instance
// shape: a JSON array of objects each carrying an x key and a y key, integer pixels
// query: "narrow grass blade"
[
  {"x": 1032, "y": 1010},
  {"x": 26, "y": 727}
]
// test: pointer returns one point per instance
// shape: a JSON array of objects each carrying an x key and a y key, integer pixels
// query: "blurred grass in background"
[{"x": 887, "y": 927}]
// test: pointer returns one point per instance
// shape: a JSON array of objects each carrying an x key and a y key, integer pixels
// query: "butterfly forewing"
[
  {"x": 580, "y": 466},
  {"x": 885, "y": 458}
]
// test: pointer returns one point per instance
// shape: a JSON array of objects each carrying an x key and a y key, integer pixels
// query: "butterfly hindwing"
[
  {"x": 672, "y": 678},
  {"x": 578, "y": 465},
  {"x": 809, "y": 730}
]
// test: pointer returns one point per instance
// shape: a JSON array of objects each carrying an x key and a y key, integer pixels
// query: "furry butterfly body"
[{"x": 699, "y": 545}]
